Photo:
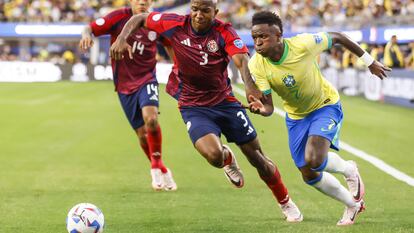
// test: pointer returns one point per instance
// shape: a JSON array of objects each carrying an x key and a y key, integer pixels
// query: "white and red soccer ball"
[{"x": 85, "y": 218}]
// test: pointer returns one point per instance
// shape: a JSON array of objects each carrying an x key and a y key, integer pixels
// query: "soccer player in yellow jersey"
[{"x": 314, "y": 113}]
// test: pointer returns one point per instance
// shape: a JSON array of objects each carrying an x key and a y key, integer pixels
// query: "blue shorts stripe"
[
  {"x": 322, "y": 166},
  {"x": 316, "y": 180}
]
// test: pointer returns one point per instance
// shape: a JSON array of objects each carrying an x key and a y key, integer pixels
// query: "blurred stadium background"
[{"x": 64, "y": 138}]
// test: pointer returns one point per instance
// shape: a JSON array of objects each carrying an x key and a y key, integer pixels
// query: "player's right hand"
[
  {"x": 255, "y": 105},
  {"x": 118, "y": 49},
  {"x": 378, "y": 69},
  {"x": 85, "y": 43}
]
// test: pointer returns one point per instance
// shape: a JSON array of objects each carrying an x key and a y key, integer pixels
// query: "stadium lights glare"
[
  {"x": 43, "y": 29},
  {"x": 355, "y": 35},
  {"x": 401, "y": 33}
]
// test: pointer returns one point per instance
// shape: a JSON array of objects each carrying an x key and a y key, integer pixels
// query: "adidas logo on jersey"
[
  {"x": 154, "y": 97},
  {"x": 186, "y": 42},
  {"x": 251, "y": 130}
]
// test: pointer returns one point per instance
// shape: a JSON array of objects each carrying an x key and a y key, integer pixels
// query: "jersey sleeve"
[
  {"x": 233, "y": 43},
  {"x": 259, "y": 76},
  {"x": 162, "y": 22},
  {"x": 104, "y": 25},
  {"x": 316, "y": 43}
]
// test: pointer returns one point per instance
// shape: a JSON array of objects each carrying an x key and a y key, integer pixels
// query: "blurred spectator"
[
  {"x": 392, "y": 54},
  {"x": 331, "y": 59},
  {"x": 65, "y": 10},
  {"x": 348, "y": 59},
  {"x": 410, "y": 58},
  {"x": 378, "y": 53},
  {"x": 68, "y": 56}
]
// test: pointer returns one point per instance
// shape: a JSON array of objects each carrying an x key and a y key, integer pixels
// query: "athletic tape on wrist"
[{"x": 367, "y": 59}]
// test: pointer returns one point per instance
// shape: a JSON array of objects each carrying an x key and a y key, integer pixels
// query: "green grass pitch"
[{"x": 66, "y": 143}]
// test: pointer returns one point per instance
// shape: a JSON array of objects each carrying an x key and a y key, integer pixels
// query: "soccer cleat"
[
  {"x": 169, "y": 183},
  {"x": 291, "y": 212},
  {"x": 355, "y": 185},
  {"x": 350, "y": 214},
  {"x": 157, "y": 180},
  {"x": 232, "y": 171}
]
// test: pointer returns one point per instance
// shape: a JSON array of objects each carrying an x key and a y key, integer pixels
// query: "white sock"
[
  {"x": 336, "y": 164},
  {"x": 330, "y": 186}
]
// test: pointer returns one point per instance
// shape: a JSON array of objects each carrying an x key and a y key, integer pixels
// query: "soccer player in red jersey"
[
  {"x": 203, "y": 46},
  {"x": 136, "y": 83}
]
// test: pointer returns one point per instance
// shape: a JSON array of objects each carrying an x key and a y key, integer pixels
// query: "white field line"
[{"x": 399, "y": 175}]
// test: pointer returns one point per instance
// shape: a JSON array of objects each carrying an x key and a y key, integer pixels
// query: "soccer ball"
[{"x": 85, "y": 218}]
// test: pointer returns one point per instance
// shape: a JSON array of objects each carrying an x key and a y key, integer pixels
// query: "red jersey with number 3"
[
  {"x": 129, "y": 74},
  {"x": 201, "y": 59}
]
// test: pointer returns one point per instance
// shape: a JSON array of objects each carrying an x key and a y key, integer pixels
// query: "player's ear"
[
  {"x": 216, "y": 11},
  {"x": 277, "y": 32}
]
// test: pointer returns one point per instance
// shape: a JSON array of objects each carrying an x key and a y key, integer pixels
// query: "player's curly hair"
[{"x": 267, "y": 17}]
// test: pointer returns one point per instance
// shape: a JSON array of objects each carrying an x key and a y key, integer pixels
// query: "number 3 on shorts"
[{"x": 243, "y": 117}]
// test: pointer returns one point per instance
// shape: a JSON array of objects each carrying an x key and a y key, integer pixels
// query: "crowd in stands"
[
  {"x": 66, "y": 10},
  {"x": 391, "y": 54},
  {"x": 297, "y": 15}
]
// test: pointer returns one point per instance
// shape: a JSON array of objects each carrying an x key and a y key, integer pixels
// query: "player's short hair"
[
  {"x": 215, "y": 2},
  {"x": 267, "y": 17}
]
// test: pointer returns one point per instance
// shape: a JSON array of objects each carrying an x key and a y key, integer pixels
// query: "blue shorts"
[
  {"x": 228, "y": 118},
  {"x": 325, "y": 122},
  {"x": 132, "y": 103}
]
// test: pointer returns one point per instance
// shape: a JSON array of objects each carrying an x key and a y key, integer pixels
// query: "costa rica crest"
[
  {"x": 289, "y": 80},
  {"x": 152, "y": 35},
  {"x": 212, "y": 46}
]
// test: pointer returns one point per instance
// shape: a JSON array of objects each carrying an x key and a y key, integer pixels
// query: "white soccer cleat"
[
  {"x": 291, "y": 212},
  {"x": 157, "y": 179},
  {"x": 232, "y": 171},
  {"x": 350, "y": 214},
  {"x": 355, "y": 185},
  {"x": 169, "y": 183}
]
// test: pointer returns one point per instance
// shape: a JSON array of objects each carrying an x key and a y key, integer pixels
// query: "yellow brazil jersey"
[{"x": 296, "y": 77}]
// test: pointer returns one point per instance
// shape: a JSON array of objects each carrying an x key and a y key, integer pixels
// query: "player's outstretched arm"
[
  {"x": 87, "y": 40},
  {"x": 241, "y": 61},
  {"x": 120, "y": 45},
  {"x": 262, "y": 106},
  {"x": 374, "y": 66}
]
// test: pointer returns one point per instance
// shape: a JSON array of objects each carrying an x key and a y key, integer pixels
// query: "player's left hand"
[
  {"x": 118, "y": 49},
  {"x": 378, "y": 69}
]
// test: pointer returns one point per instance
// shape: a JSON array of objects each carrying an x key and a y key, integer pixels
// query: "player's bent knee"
[
  {"x": 313, "y": 159},
  {"x": 151, "y": 121}
]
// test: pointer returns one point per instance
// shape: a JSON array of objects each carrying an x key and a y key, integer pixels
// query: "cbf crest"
[
  {"x": 212, "y": 46},
  {"x": 289, "y": 80}
]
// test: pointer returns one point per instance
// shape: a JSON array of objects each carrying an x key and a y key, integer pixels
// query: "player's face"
[
  {"x": 203, "y": 13},
  {"x": 267, "y": 39},
  {"x": 140, "y": 6}
]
